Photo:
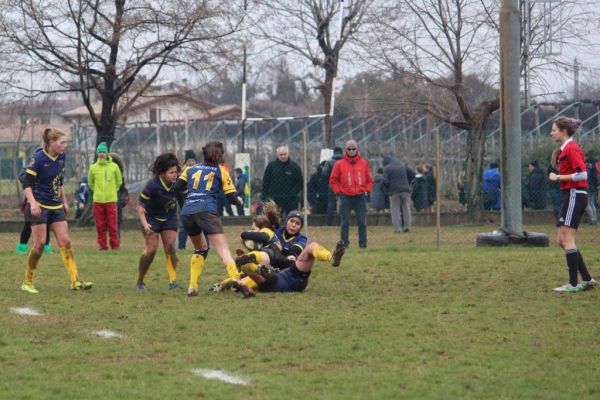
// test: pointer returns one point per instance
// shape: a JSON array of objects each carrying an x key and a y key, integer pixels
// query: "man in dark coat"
[
  {"x": 537, "y": 186},
  {"x": 338, "y": 154},
  {"x": 282, "y": 181}
]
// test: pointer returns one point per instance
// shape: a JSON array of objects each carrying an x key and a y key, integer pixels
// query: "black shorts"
[
  {"x": 573, "y": 204},
  {"x": 48, "y": 216},
  {"x": 288, "y": 280},
  {"x": 170, "y": 224},
  {"x": 204, "y": 222}
]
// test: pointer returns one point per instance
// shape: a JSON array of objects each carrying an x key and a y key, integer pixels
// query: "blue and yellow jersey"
[
  {"x": 203, "y": 184},
  {"x": 158, "y": 199},
  {"x": 48, "y": 174},
  {"x": 292, "y": 244},
  {"x": 273, "y": 242}
]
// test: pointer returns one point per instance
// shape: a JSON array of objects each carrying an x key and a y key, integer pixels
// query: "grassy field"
[{"x": 397, "y": 320}]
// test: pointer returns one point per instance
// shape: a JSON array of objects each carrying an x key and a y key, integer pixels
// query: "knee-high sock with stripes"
[
  {"x": 32, "y": 261},
  {"x": 572, "y": 256},
  {"x": 68, "y": 259}
]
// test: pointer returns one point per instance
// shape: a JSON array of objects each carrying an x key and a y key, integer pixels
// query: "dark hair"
[
  {"x": 213, "y": 152},
  {"x": 535, "y": 163},
  {"x": 568, "y": 124},
  {"x": 271, "y": 218},
  {"x": 380, "y": 170},
  {"x": 494, "y": 165},
  {"x": 163, "y": 163},
  {"x": 189, "y": 155},
  {"x": 238, "y": 170}
]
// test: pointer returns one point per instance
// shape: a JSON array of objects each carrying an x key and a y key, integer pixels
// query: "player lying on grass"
[
  {"x": 157, "y": 211},
  {"x": 294, "y": 278}
]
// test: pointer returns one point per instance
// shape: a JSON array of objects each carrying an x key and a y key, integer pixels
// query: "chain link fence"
[{"x": 409, "y": 138}]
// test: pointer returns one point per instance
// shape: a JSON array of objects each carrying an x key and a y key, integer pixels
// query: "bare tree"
[
  {"x": 101, "y": 48},
  {"x": 310, "y": 29},
  {"x": 441, "y": 43}
]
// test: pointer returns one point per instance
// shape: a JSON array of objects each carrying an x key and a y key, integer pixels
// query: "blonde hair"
[{"x": 50, "y": 135}]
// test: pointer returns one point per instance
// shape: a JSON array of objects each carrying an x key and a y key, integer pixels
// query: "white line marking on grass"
[
  {"x": 107, "y": 334},
  {"x": 25, "y": 311},
  {"x": 220, "y": 376}
]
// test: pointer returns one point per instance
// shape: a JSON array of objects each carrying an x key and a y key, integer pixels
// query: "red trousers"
[{"x": 105, "y": 215}]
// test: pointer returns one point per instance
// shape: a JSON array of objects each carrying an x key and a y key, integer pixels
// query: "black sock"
[
  {"x": 585, "y": 275},
  {"x": 573, "y": 263}
]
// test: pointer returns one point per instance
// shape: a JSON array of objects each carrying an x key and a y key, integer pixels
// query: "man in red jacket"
[{"x": 351, "y": 180}]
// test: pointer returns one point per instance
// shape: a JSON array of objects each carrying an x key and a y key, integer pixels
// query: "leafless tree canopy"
[
  {"x": 313, "y": 31},
  {"x": 102, "y": 48}
]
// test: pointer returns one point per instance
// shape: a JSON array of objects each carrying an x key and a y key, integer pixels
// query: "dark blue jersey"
[
  {"x": 291, "y": 244},
  {"x": 158, "y": 199},
  {"x": 203, "y": 184},
  {"x": 48, "y": 174}
]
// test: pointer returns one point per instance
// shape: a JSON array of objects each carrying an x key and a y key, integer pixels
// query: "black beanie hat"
[
  {"x": 189, "y": 155},
  {"x": 295, "y": 214}
]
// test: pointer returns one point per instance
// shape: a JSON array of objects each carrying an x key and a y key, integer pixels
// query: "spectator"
[
  {"x": 592, "y": 207},
  {"x": 429, "y": 175},
  {"x": 537, "y": 187},
  {"x": 82, "y": 196},
  {"x": 105, "y": 180},
  {"x": 122, "y": 193},
  {"x": 318, "y": 190},
  {"x": 491, "y": 187},
  {"x": 420, "y": 195},
  {"x": 351, "y": 180},
  {"x": 379, "y": 200},
  {"x": 241, "y": 189},
  {"x": 338, "y": 154},
  {"x": 397, "y": 178},
  {"x": 189, "y": 161},
  {"x": 282, "y": 181}
]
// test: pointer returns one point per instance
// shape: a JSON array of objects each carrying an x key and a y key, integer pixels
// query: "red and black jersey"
[{"x": 570, "y": 161}]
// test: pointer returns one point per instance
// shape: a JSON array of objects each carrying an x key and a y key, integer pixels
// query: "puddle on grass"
[
  {"x": 107, "y": 334},
  {"x": 220, "y": 376},
  {"x": 25, "y": 311}
]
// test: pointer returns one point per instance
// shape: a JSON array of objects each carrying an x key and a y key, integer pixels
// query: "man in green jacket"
[{"x": 104, "y": 179}]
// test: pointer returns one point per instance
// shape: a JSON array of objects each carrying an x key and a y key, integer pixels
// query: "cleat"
[
  {"x": 141, "y": 286},
  {"x": 245, "y": 259},
  {"x": 21, "y": 248},
  {"x": 240, "y": 287},
  {"x": 337, "y": 254},
  {"x": 217, "y": 287},
  {"x": 174, "y": 285},
  {"x": 78, "y": 285},
  {"x": 568, "y": 288},
  {"x": 28, "y": 288},
  {"x": 587, "y": 285},
  {"x": 47, "y": 249},
  {"x": 266, "y": 271},
  {"x": 192, "y": 292}
]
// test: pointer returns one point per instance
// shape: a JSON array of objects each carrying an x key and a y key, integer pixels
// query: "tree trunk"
[
  {"x": 475, "y": 155},
  {"x": 328, "y": 138}
]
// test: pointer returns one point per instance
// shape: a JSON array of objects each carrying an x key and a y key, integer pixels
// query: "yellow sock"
[
  {"x": 250, "y": 283},
  {"x": 30, "y": 268},
  {"x": 196, "y": 267},
  {"x": 250, "y": 269},
  {"x": 258, "y": 256},
  {"x": 171, "y": 269},
  {"x": 232, "y": 271},
  {"x": 68, "y": 259},
  {"x": 322, "y": 254}
]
